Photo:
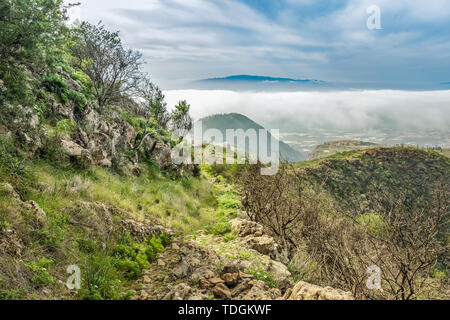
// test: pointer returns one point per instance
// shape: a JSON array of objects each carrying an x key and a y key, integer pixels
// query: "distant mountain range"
[
  {"x": 259, "y": 79},
  {"x": 252, "y": 82},
  {"x": 245, "y": 82},
  {"x": 235, "y": 121}
]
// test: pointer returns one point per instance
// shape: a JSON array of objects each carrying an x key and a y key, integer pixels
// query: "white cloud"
[
  {"x": 206, "y": 38},
  {"x": 344, "y": 110}
]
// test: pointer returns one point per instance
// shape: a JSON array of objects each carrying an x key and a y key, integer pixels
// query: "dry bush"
[{"x": 333, "y": 245}]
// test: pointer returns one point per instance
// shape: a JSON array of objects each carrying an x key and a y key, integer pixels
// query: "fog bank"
[{"x": 344, "y": 110}]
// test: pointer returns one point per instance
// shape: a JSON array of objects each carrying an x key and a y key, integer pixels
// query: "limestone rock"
[
  {"x": 161, "y": 154},
  {"x": 8, "y": 190},
  {"x": 215, "y": 281},
  {"x": 72, "y": 84},
  {"x": 231, "y": 279},
  {"x": 182, "y": 291},
  {"x": 246, "y": 227},
  {"x": 10, "y": 242},
  {"x": 143, "y": 230},
  {"x": 221, "y": 291},
  {"x": 196, "y": 260},
  {"x": 181, "y": 270},
  {"x": 258, "y": 290},
  {"x": 39, "y": 217},
  {"x": 64, "y": 111},
  {"x": 281, "y": 274},
  {"x": 204, "y": 284},
  {"x": 306, "y": 291},
  {"x": 72, "y": 149},
  {"x": 264, "y": 244},
  {"x": 230, "y": 269},
  {"x": 44, "y": 187}
]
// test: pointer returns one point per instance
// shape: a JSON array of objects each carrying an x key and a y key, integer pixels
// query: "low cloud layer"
[{"x": 346, "y": 110}]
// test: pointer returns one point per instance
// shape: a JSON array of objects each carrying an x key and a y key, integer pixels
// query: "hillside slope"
[{"x": 351, "y": 175}]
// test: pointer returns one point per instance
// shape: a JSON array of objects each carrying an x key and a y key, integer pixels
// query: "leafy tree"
[
  {"x": 154, "y": 104},
  {"x": 29, "y": 28},
  {"x": 113, "y": 70},
  {"x": 31, "y": 31},
  {"x": 181, "y": 120}
]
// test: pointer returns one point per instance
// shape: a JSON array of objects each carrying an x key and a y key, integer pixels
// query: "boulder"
[
  {"x": 281, "y": 274},
  {"x": 258, "y": 290},
  {"x": 38, "y": 215},
  {"x": 231, "y": 268},
  {"x": 73, "y": 149},
  {"x": 7, "y": 190},
  {"x": 44, "y": 187},
  {"x": 306, "y": 291},
  {"x": 91, "y": 119},
  {"x": 31, "y": 205},
  {"x": 264, "y": 244},
  {"x": 64, "y": 111},
  {"x": 180, "y": 292},
  {"x": 96, "y": 216},
  {"x": 161, "y": 155},
  {"x": 143, "y": 230},
  {"x": 215, "y": 281},
  {"x": 204, "y": 284},
  {"x": 182, "y": 270},
  {"x": 106, "y": 163},
  {"x": 196, "y": 260},
  {"x": 11, "y": 243},
  {"x": 247, "y": 227},
  {"x": 221, "y": 291},
  {"x": 231, "y": 279}
]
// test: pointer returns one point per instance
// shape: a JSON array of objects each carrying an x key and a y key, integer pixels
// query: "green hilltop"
[{"x": 235, "y": 121}]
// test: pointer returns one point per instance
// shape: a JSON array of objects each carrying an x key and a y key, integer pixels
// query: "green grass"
[
  {"x": 185, "y": 204},
  {"x": 262, "y": 275},
  {"x": 110, "y": 265},
  {"x": 40, "y": 272},
  {"x": 228, "y": 207}
]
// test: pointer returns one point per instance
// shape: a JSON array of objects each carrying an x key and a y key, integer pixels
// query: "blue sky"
[{"x": 317, "y": 39}]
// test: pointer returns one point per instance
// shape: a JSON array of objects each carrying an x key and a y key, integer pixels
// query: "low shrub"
[
  {"x": 100, "y": 279},
  {"x": 220, "y": 227},
  {"x": 262, "y": 275},
  {"x": 40, "y": 271},
  {"x": 55, "y": 84},
  {"x": 78, "y": 99},
  {"x": 133, "y": 257}
]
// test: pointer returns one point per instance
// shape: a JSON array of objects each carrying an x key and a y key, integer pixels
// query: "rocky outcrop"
[
  {"x": 7, "y": 189},
  {"x": 306, "y": 291},
  {"x": 74, "y": 150},
  {"x": 11, "y": 240},
  {"x": 106, "y": 138},
  {"x": 247, "y": 227},
  {"x": 195, "y": 270},
  {"x": 101, "y": 221},
  {"x": 144, "y": 229},
  {"x": 254, "y": 237},
  {"x": 255, "y": 290},
  {"x": 221, "y": 291}
]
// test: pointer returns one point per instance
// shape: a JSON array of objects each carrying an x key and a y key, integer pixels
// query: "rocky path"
[{"x": 247, "y": 268}]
